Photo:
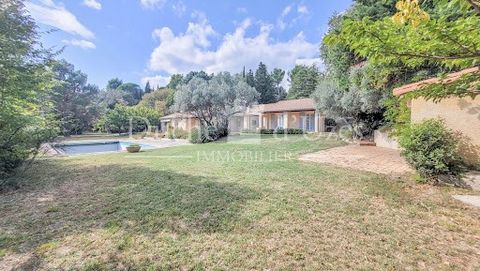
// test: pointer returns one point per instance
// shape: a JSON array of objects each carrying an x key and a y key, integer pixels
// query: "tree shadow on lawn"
[{"x": 63, "y": 199}]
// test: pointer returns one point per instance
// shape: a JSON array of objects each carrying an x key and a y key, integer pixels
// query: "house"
[
  {"x": 460, "y": 114},
  {"x": 179, "y": 121},
  {"x": 299, "y": 114}
]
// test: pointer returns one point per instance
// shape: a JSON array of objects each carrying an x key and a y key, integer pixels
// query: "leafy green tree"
[
  {"x": 201, "y": 74},
  {"x": 119, "y": 119},
  {"x": 444, "y": 34},
  {"x": 214, "y": 101},
  {"x": 75, "y": 102},
  {"x": 157, "y": 100},
  {"x": 114, "y": 84},
  {"x": 133, "y": 93},
  {"x": 264, "y": 85},
  {"x": 303, "y": 80},
  {"x": 175, "y": 80},
  {"x": 24, "y": 83}
]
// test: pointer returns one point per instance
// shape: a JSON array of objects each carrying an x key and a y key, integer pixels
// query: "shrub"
[
  {"x": 266, "y": 131},
  {"x": 205, "y": 134},
  {"x": 431, "y": 149},
  {"x": 294, "y": 131},
  {"x": 280, "y": 131},
  {"x": 176, "y": 133}
]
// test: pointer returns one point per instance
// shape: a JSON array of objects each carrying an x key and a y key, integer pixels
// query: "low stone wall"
[{"x": 382, "y": 139}]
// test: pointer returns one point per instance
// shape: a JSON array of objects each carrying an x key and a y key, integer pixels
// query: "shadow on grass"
[{"x": 61, "y": 199}]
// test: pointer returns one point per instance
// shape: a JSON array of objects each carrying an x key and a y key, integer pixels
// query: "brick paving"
[{"x": 366, "y": 158}]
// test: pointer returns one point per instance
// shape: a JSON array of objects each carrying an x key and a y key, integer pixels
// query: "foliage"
[
  {"x": 148, "y": 88},
  {"x": 363, "y": 103},
  {"x": 204, "y": 134},
  {"x": 250, "y": 78},
  {"x": 75, "y": 103},
  {"x": 119, "y": 119},
  {"x": 431, "y": 149},
  {"x": 277, "y": 76},
  {"x": 264, "y": 85},
  {"x": 158, "y": 100},
  {"x": 448, "y": 35},
  {"x": 114, "y": 83},
  {"x": 175, "y": 81},
  {"x": 214, "y": 101},
  {"x": 25, "y": 122},
  {"x": 303, "y": 80},
  {"x": 176, "y": 133}
]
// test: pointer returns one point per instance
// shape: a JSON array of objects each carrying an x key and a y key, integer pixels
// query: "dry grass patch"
[{"x": 108, "y": 212}]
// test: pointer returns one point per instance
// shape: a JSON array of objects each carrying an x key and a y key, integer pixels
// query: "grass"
[{"x": 241, "y": 204}]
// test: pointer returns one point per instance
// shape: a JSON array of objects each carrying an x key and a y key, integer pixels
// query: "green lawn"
[{"x": 246, "y": 204}]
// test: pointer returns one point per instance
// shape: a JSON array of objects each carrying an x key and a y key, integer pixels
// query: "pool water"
[{"x": 96, "y": 147}]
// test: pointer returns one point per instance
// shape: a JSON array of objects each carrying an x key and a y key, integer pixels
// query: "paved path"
[
  {"x": 470, "y": 200},
  {"x": 367, "y": 158}
]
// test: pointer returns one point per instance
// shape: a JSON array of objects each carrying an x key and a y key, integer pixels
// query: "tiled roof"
[
  {"x": 177, "y": 116},
  {"x": 288, "y": 105},
  {"x": 448, "y": 79}
]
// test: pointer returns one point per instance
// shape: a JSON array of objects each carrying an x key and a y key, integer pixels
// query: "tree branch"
[{"x": 475, "y": 6}]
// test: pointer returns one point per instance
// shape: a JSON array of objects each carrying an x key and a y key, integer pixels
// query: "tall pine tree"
[
  {"x": 264, "y": 85},
  {"x": 148, "y": 89}
]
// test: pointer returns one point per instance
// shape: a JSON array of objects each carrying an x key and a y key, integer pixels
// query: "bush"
[
  {"x": 266, "y": 131},
  {"x": 176, "y": 133},
  {"x": 431, "y": 149},
  {"x": 294, "y": 131},
  {"x": 205, "y": 134},
  {"x": 280, "y": 131}
]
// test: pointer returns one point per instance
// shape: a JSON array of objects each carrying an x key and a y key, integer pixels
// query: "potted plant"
[{"x": 133, "y": 148}]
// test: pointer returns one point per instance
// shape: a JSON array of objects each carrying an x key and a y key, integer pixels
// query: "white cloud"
[
  {"x": 153, "y": 3},
  {"x": 287, "y": 17},
  {"x": 184, "y": 52},
  {"x": 302, "y": 9},
  {"x": 156, "y": 81},
  {"x": 84, "y": 44},
  {"x": 93, "y": 4},
  {"x": 310, "y": 61},
  {"x": 179, "y": 8},
  {"x": 49, "y": 13}
]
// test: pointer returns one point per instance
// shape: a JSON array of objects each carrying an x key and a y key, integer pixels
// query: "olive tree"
[{"x": 214, "y": 101}]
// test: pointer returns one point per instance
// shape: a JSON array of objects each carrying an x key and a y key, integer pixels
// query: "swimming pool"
[{"x": 96, "y": 147}]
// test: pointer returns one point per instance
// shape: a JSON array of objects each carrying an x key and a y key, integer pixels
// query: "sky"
[{"x": 149, "y": 40}]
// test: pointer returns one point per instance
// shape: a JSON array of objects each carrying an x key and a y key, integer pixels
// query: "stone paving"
[{"x": 366, "y": 158}]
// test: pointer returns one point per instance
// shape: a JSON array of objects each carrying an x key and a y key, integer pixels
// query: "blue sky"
[{"x": 140, "y": 40}]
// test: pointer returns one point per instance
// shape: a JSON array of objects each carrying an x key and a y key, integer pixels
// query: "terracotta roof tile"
[
  {"x": 448, "y": 79},
  {"x": 288, "y": 105}
]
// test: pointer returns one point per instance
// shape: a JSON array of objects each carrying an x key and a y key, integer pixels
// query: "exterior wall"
[
  {"x": 294, "y": 120},
  {"x": 382, "y": 139},
  {"x": 459, "y": 114}
]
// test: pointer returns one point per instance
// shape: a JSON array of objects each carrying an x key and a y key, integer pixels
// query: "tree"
[
  {"x": 133, "y": 93},
  {"x": 75, "y": 102},
  {"x": 201, "y": 74},
  {"x": 250, "y": 78},
  {"x": 363, "y": 102},
  {"x": 214, "y": 101},
  {"x": 175, "y": 80},
  {"x": 157, "y": 100},
  {"x": 277, "y": 78},
  {"x": 114, "y": 84},
  {"x": 303, "y": 80},
  {"x": 445, "y": 34},
  {"x": 119, "y": 119},
  {"x": 148, "y": 89},
  {"x": 264, "y": 85},
  {"x": 24, "y": 82}
]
